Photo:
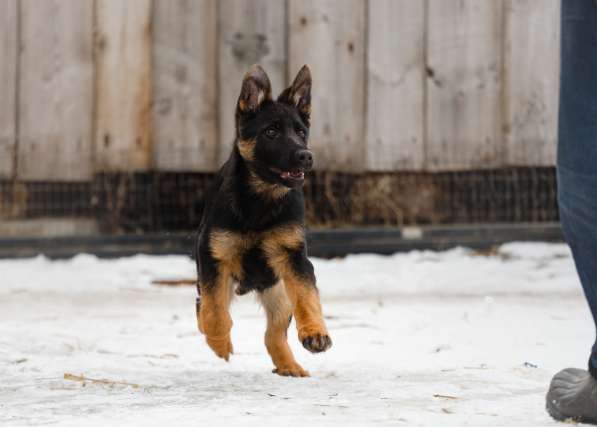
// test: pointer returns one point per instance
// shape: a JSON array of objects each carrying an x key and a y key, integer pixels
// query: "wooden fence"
[{"x": 91, "y": 86}]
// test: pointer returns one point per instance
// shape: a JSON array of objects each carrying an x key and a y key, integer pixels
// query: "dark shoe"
[{"x": 572, "y": 395}]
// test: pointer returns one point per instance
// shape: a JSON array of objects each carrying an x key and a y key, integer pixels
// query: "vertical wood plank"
[
  {"x": 251, "y": 32},
  {"x": 463, "y": 84},
  {"x": 8, "y": 80},
  {"x": 329, "y": 36},
  {"x": 123, "y": 85},
  {"x": 185, "y": 85},
  {"x": 55, "y": 90},
  {"x": 532, "y": 71},
  {"x": 395, "y": 83}
]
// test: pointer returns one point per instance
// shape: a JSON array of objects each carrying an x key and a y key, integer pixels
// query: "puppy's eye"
[
  {"x": 271, "y": 132},
  {"x": 301, "y": 133}
]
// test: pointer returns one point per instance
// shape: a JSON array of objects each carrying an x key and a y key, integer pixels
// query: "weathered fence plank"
[
  {"x": 8, "y": 80},
  {"x": 464, "y": 85},
  {"x": 251, "y": 32},
  {"x": 123, "y": 86},
  {"x": 55, "y": 90},
  {"x": 185, "y": 133},
  {"x": 395, "y": 85},
  {"x": 486, "y": 97},
  {"x": 532, "y": 70},
  {"x": 329, "y": 36}
]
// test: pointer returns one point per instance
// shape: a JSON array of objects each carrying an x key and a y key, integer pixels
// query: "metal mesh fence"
[
  {"x": 162, "y": 202},
  {"x": 500, "y": 195}
]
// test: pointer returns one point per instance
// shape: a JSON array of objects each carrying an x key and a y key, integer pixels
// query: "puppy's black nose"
[{"x": 304, "y": 159}]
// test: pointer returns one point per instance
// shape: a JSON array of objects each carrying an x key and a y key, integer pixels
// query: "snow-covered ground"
[{"x": 423, "y": 338}]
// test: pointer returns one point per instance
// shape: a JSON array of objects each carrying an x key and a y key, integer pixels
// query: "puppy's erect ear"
[
  {"x": 299, "y": 93},
  {"x": 255, "y": 90}
]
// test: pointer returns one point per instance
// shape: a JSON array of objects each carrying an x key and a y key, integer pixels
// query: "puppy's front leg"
[
  {"x": 279, "y": 312},
  {"x": 214, "y": 319},
  {"x": 299, "y": 280}
]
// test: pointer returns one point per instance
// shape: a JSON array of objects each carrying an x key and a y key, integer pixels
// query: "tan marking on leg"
[
  {"x": 228, "y": 248},
  {"x": 302, "y": 293},
  {"x": 312, "y": 331},
  {"x": 214, "y": 319},
  {"x": 246, "y": 147},
  {"x": 289, "y": 236},
  {"x": 279, "y": 309},
  {"x": 275, "y": 244}
]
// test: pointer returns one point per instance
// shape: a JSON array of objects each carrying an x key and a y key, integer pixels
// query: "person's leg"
[
  {"x": 577, "y": 150},
  {"x": 578, "y": 214},
  {"x": 573, "y": 392}
]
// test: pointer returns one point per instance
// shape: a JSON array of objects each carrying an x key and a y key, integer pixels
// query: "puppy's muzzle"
[{"x": 304, "y": 159}]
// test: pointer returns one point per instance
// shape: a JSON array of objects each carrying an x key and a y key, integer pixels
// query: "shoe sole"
[{"x": 558, "y": 416}]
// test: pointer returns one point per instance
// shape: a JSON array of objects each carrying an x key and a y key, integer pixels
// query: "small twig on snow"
[
  {"x": 443, "y": 396},
  {"x": 83, "y": 379},
  {"x": 177, "y": 282}
]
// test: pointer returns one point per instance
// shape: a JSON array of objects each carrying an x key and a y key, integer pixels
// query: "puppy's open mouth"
[{"x": 295, "y": 174}]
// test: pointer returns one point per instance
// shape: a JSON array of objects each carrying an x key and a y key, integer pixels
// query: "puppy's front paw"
[
  {"x": 221, "y": 346},
  {"x": 293, "y": 370},
  {"x": 315, "y": 340}
]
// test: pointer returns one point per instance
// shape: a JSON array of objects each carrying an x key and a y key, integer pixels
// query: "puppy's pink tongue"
[{"x": 292, "y": 174}]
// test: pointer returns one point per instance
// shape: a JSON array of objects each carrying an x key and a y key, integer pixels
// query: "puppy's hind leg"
[{"x": 279, "y": 314}]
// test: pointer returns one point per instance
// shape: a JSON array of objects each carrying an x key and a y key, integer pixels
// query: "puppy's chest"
[{"x": 251, "y": 253}]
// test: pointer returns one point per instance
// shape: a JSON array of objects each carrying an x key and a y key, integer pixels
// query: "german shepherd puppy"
[{"x": 252, "y": 233}]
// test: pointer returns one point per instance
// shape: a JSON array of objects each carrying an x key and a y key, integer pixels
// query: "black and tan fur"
[{"x": 252, "y": 234}]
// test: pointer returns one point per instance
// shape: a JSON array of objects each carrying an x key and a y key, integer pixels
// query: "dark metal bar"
[{"x": 322, "y": 243}]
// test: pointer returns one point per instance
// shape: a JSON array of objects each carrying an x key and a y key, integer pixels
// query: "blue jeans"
[{"x": 577, "y": 148}]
